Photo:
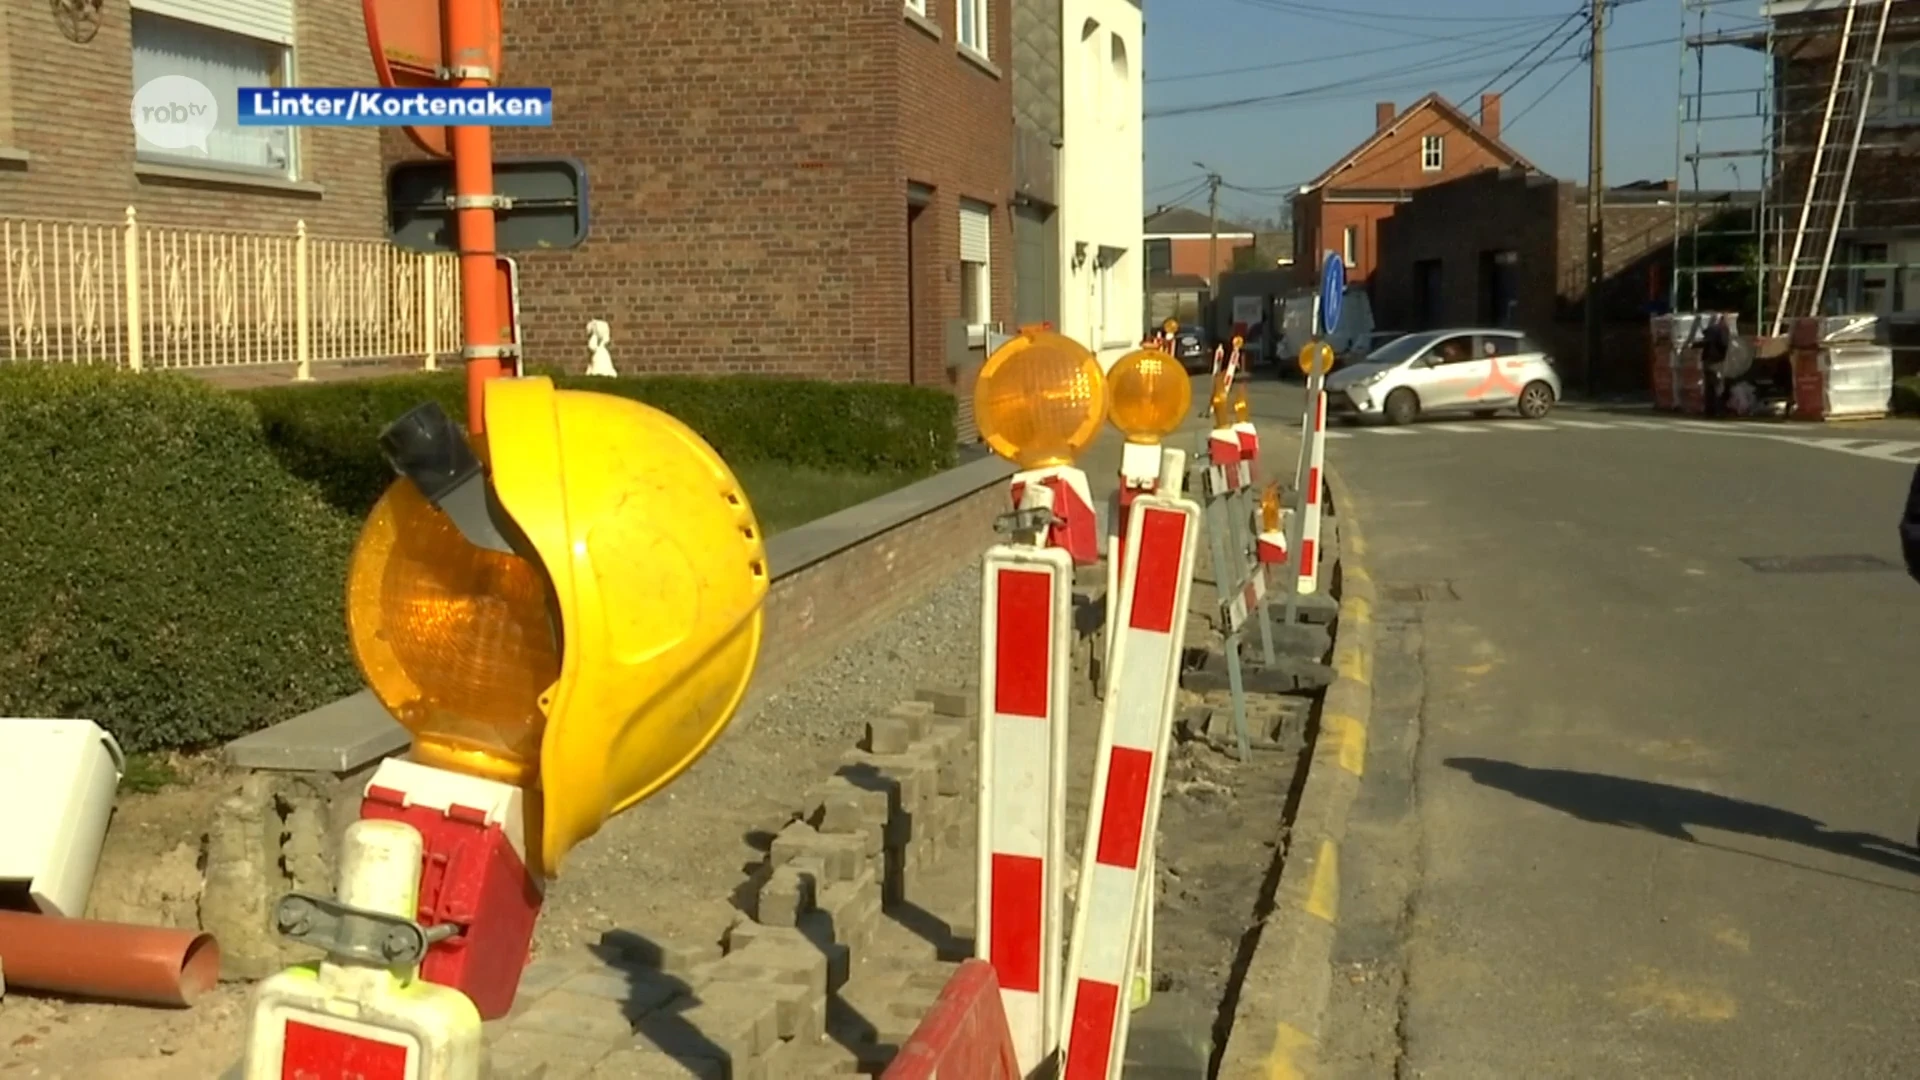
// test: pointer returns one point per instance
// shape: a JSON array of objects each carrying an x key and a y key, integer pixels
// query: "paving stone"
[
  {"x": 577, "y": 1016},
  {"x": 672, "y": 956},
  {"x": 742, "y": 1021},
  {"x": 522, "y": 1054},
  {"x": 960, "y": 701},
  {"x": 648, "y": 1063},
  {"x": 788, "y": 893},
  {"x": 952, "y": 746},
  {"x": 840, "y": 856},
  {"x": 820, "y": 1059},
  {"x": 852, "y": 906},
  {"x": 918, "y": 717},
  {"x": 888, "y": 735},
  {"x": 637, "y": 991}
]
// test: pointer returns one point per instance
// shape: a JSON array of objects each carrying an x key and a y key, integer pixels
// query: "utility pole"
[
  {"x": 1213, "y": 231},
  {"x": 1596, "y": 186}
]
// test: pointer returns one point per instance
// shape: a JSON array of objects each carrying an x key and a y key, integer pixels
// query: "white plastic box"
[{"x": 57, "y": 782}]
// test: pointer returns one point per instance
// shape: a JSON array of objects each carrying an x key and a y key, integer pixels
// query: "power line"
[
  {"x": 1522, "y": 58},
  {"x": 1535, "y": 103},
  {"x": 1477, "y": 37},
  {"x": 1340, "y": 19},
  {"x": 1297, "y": 7},
  {"x": 1363, "y": 87}
]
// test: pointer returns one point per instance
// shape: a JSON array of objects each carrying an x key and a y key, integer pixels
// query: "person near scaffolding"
[{"x": 1715, "y": 340}]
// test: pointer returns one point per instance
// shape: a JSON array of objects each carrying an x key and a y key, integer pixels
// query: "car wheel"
[
  {"x": 1536, "y": 400},
  {"x": 1402, "y": 407},
  {"x": 1486, "y": 414}
]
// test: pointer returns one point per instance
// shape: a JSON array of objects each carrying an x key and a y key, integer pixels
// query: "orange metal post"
[{"x": 470, "y": 53}]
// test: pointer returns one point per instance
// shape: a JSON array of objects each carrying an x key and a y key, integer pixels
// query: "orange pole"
[{"x": 468, "y": 49}]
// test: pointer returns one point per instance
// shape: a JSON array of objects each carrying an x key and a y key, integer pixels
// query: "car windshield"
[{"x": 1401, "y": 349}]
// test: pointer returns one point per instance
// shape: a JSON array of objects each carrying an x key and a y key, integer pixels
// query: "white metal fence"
[{"x": 142, "y": 297}]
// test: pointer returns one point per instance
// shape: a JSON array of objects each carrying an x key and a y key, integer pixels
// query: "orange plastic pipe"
[
  {"x": 147, "y": 965},
  {"x": 468, "y": 31}
]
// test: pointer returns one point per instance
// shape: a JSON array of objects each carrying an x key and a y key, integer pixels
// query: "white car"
[{"x": 1447, "y": 371}]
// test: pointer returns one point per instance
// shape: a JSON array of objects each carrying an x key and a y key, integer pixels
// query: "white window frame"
[
  {"x": 918, "y": 7},
  {"x": 272, "y": 152},
  {"x": 973, "y": 28},
  {"x": 1350, "y": 246},
  {"x": 1433, "y": 153},
  {"x": 976, "y": 268}
]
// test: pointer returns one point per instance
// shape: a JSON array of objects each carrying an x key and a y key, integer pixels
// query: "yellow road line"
[
  {"x": 1351, "y": 738},
  {"x": 1287, "y": 1061},
  {"x": 1323, "y": 892}
]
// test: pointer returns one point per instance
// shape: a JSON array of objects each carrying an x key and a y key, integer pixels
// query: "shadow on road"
[{"x": 1670, "y": 810}]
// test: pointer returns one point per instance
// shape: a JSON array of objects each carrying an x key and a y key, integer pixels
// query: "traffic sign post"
[
  {"x": 1333, "y": 292},
  {"x": 1316, "y": 359}
]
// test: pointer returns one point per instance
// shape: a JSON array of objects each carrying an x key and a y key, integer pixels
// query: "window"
[
  {"x": 918, "y": 7},
  {"x": 976, "y": 279},
  {"x": 1895, "y": 96},
  {"x": 1455, "y": 350},
  {"x": 1120, "y": 98},
  {"x": 1499, "y": 345},
  {"x": 973, "y": 25},
  {"x": 1350, "y": 246},
  {"x": 224, "y": 62},
  {"x": 1159, "y": 257},
  {"x": 1433, "y": 153}
]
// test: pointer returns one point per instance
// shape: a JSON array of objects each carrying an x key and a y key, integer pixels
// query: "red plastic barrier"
[{"x": 964, "y": 1036}]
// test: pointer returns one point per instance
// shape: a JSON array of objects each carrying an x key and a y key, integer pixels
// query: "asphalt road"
[{"x": 1633, "y": 806}]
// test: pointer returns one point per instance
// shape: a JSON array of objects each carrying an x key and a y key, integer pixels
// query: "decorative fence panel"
[{"x": 141, "y": 297}]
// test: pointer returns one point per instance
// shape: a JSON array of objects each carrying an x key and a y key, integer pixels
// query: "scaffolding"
[{"x": 1777, "y": 249}]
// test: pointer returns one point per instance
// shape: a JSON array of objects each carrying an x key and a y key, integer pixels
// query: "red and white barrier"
[
  {"x": 1130, "y": 771},
  {"x": 963, "y": 1037},
  {"x": 1314, "y": 447},
  {"x": 1064, "y": 492},
  {"x": 1140, "y": 468},
  {"x": 1223, "y": 460},
  {"x": 1026, "y": 654}
]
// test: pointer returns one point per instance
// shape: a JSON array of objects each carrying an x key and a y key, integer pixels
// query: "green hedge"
[
  {"x": 164, "y": 575},
  {"x": 1906, "y": 395},
  {"x": 327, "y": 433}
]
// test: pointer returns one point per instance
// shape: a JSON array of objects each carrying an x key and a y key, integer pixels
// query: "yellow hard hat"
[{"x": 615, "y": 642}]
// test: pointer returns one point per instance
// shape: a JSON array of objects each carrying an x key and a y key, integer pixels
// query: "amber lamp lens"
[
  {"x": 1040, "y": 400},
  {"x": 456, "y": 641},
  {"x": 1171, "y": 326},
  {"x": 1270, "y": 509},
  {"x": 1148, "y": 395},
  {"x": 1242, "y": 411},
  {"x": 1219, "y": 403}
]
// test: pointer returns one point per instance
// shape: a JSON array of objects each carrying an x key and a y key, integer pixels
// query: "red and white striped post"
[
  {"x": 1314, "y": 450},
  {"x": 1026, "y": 651},
  {"x": 1130, "y": 771}
]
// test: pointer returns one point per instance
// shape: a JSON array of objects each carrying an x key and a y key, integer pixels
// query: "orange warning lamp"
[
  {"x": 1238, "y": 341},
  {"x": 580, "y": 613},
  {"x": 1148, "y": 396},
  {"x": 1242, "y": 411},
  {"x": 1270, "y": 509},
  {"x": 1219, "y": 402},
  {"x": 1171, "y": 326},
  {"x": 1040, "y": 399}
]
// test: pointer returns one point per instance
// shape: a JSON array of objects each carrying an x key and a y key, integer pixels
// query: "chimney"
[
  {"x": 1490, "y": 115},
  {"x": 1383, "y": 114}
]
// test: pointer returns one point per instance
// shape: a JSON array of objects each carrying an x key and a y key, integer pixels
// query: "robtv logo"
[{"x": 174, "y": 112}]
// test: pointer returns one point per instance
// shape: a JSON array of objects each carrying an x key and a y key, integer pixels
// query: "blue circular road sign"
[{"x": 1333, "y": 290}]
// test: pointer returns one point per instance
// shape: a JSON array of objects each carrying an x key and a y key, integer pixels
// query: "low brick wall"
[{"x": 835, "y": 576}]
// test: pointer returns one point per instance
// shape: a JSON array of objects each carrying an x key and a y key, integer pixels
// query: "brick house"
[
  {"x": 821, "y": 189},
  {"x": 1507, "y": 247},
  {"x": 1180, "y": 243},
  {"x": 1430, "y": 142},
  {"x": 218, "y": 223}
]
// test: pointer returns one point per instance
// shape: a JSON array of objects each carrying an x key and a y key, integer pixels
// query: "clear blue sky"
[{"x": 1332, "y": 59}]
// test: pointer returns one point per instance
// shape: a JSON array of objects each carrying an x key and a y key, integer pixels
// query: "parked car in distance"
[
  {"x": 1447, "y": 371},
  {"x": 1191, "y": 349}
]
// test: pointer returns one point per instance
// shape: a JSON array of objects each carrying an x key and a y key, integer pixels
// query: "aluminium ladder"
[{"x": 1841, "y": 125}]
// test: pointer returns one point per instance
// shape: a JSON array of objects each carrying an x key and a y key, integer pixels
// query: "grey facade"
[{"x": 1038, "y": 129}]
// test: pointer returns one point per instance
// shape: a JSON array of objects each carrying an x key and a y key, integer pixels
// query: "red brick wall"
[
  {"x": 748, "y": 173},
  {"x": 68, "y": 106},
  {"x": 1190, "y": 254}
]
